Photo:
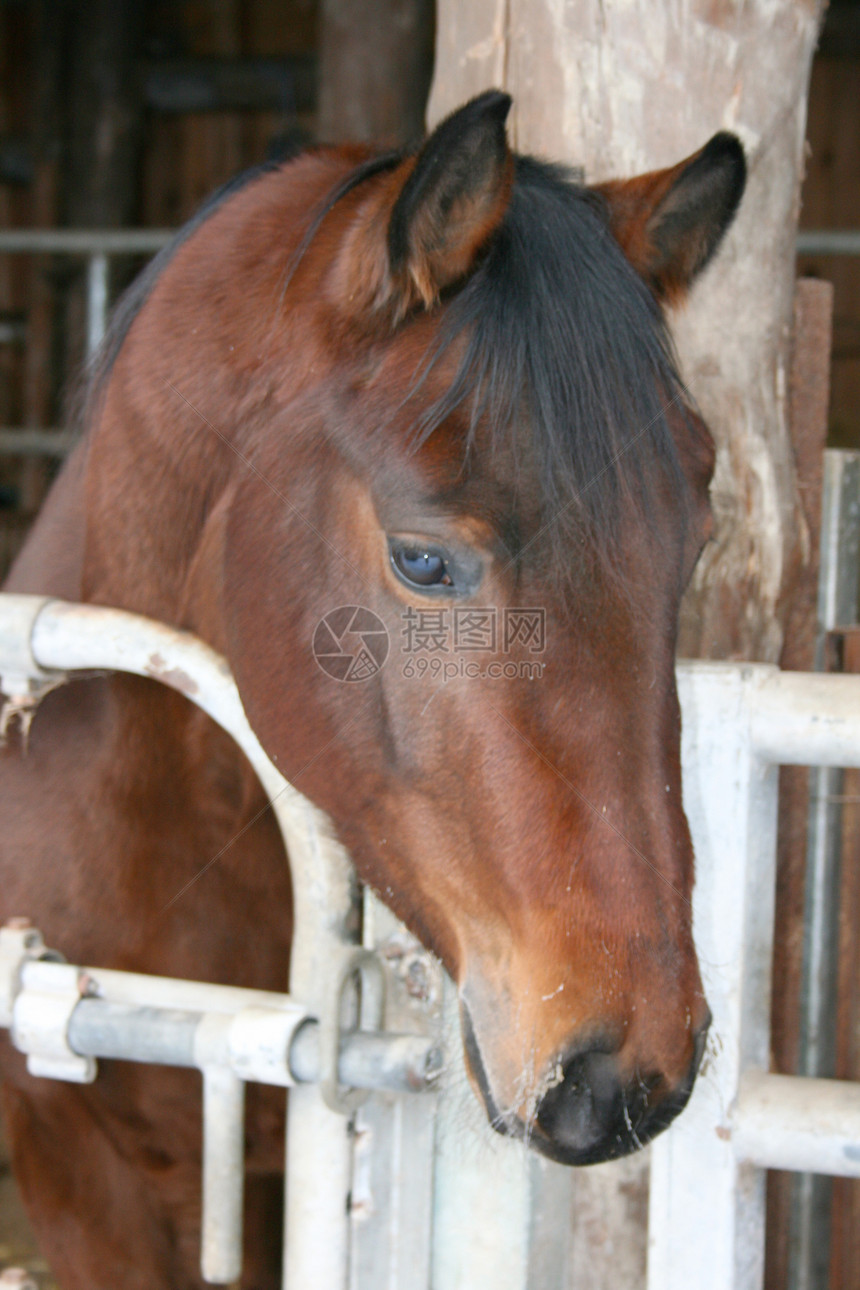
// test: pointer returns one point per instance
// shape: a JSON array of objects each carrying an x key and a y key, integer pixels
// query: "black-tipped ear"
[
  {"x": 670, "y": 222},
  {"x": 453, "y": 199}
]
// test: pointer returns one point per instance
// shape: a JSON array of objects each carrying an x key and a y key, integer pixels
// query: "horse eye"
[{"x": 421, "y": 567}]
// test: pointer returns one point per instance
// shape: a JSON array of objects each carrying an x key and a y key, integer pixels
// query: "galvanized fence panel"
[{"x": 707, "y": 1176}]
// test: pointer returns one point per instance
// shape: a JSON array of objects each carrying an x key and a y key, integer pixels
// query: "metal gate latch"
[
  {"x": 360, "y": 975},
  {"x": 37, "y": 1006}
]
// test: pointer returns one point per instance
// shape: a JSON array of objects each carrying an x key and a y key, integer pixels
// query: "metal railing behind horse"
[{"x": 412, "y": 1191}]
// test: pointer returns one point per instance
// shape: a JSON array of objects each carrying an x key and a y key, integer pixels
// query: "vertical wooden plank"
[
  {"x": 9, "y": 358},
  {"x": 16, "y": 119},
  {"x": 376, "y": 59},
  {"x": 103, "y": 135},
  {"x": 49, "y": 31},
  {"x": 104, "y": 107},
  {"x": 273, "y": 28},
  {"x": 212, "y": 141},
  {"x": 831, "y": 199}
]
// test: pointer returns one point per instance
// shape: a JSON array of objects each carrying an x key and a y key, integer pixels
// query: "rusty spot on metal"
[
  {"x": 88, "y": 987},
  {"x": 159, "y": 670}
]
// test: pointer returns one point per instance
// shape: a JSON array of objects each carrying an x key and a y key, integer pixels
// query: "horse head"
[{"x": 463, "y": 459}]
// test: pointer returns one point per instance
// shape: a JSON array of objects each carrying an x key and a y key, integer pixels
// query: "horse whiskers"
[
  {"x": 521, "y": 1109},
  {"x": 521, "y": 1113},
  {"x": 631, "y": 1128}
]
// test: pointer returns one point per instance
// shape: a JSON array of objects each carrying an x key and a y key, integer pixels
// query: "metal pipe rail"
[
  {"x": 97, "y": 245},
  {"x": 84, "y": 241},
  {"x": 268, "y": 1038},
  {"x": 828, "y": 241},
  {"x": 384, "y": 1063},
  {"x": 782, "y": 1122},
  {"x": 63, "y": 1018},
  {"x": 26, "y": 442}
]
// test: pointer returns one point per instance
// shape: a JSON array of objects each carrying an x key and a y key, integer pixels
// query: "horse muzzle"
[{"x": 585, "y": 1110}]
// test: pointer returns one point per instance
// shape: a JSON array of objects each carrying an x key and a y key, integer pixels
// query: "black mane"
[{"x": 556, "y": 323}]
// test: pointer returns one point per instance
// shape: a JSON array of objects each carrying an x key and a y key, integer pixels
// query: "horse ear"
[
  {"x": 454, "y": 198},
  {"x": 670, "y": 222}
]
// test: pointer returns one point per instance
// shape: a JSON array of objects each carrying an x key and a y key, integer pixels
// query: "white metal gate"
[
  {"x": 707, "y": 1176},
  {"x": 414, "y": 1192}
]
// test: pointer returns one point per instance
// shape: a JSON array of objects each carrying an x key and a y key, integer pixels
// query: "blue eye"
[{"x": 421, "y": 566}]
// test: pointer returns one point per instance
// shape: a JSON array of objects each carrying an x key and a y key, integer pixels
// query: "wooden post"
[
  {"x": 100, "y": 184},
  {"x": 105, "y": 109},
  {"x": 623, "y": 88}
]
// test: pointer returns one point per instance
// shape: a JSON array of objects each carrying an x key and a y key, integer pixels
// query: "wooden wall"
[
  {"x": 56, "y": 108},
  {"x": 187, "y": 155},
  {"x": 131, "y": 112},
  {"x": 831, "y": 199}
]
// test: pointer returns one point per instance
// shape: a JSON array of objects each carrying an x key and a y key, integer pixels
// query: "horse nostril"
[
  {"x": 592, "y": 1115},
  {"x": 582, "y": 1111}
]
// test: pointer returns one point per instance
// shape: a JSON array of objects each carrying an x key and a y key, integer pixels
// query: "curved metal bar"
[{"x": 65, "y": 637}]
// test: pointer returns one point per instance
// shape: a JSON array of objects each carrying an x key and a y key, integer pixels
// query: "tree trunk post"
[{"x": 623, "y": 88}]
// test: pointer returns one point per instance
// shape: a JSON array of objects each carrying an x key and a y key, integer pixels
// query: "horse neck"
[
  {"x": 219, "y": 350},
  {"x": 50, "y": 563},
  {"x": 74, "y": 553}
]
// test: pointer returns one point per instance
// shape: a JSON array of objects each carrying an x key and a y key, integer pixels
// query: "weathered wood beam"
[
  {"x": 628, "y": 87},
  {"x": 376, "y": 60}
]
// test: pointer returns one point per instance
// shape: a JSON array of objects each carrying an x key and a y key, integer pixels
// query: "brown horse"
[{"x": 437, "y": 387}]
